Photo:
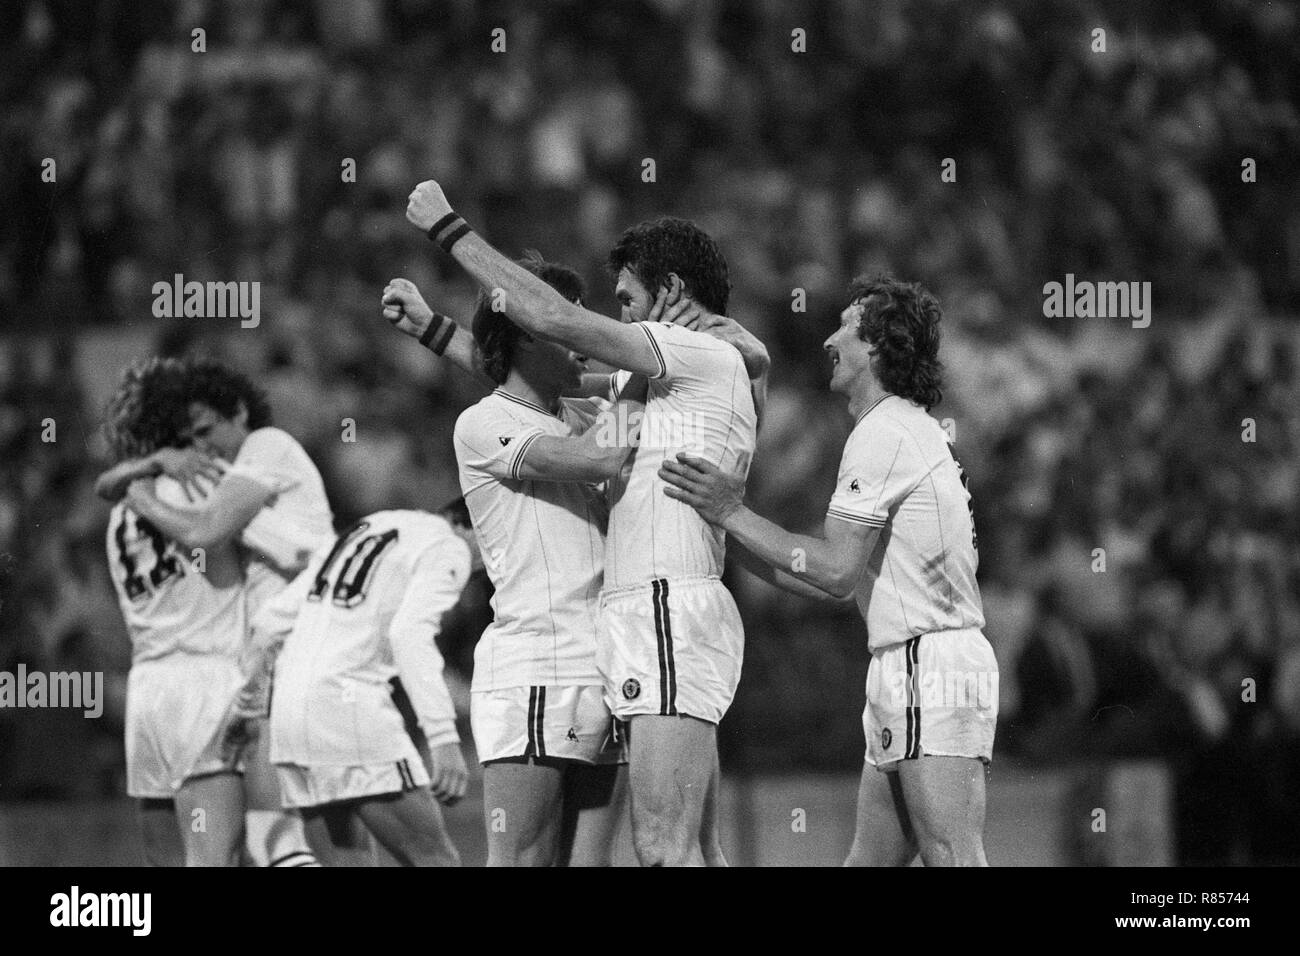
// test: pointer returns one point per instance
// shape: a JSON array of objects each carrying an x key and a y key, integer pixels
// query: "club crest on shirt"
[
  {"x": 886, "y": 738},
  {"x": 631, "y": 688}
]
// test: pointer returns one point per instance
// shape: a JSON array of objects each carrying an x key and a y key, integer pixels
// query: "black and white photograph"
[{"x": 651, "y": 433}]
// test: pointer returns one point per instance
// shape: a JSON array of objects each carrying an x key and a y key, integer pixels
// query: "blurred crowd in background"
[{"x": 1172, "y": 449}]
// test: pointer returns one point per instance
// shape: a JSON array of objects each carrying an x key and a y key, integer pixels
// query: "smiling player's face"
[{"x": 850, "y": 356}]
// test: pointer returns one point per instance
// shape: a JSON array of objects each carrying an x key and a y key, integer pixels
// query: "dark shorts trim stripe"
[
  {"x": 404, "y": 774},
  {"x": 911, "y": 653},
  {"x": 664, "y": 639},
  {"x": 536, "y": 715}
]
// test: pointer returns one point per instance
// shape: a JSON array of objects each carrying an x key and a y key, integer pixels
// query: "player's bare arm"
[
  {"x": 406, "y": 310},
  {"x": 222, "y": 516},
  {"x": 412, "y": 635},
  {"x": 832, "y": 563},
  {"x": 531, "y": 302},
  {"x": 778, "y": 577},
  {"x": 186, "y": 465},
  {"x": 595, "y": 455}
]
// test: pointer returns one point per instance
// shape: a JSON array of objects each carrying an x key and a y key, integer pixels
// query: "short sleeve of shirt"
[
  {"x": 267, "y": 456},
  {"x": 683, "y": 353},
  {"x": 878, "y": 470},
  {"x": 491, "y": 441}
]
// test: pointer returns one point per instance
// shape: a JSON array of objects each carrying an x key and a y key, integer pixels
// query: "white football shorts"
[
  {"x": 670, "y": 647},
  {"x": 934, "y": 695}
]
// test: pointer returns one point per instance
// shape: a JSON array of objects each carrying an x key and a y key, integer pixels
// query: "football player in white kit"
[
  {"x": 272, "y": 501},
  {"x": 187, "y": 629},
  {"x": 362, "y": 723},
  {"x": 899, "y": 536},
  {"x": 671, "y": 640},
  {"x": 531, "y": 467}
]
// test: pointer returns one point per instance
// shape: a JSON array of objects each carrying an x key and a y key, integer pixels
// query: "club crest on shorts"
[
  {"x": 631, "y": 688},
  {"x": 886, "y": 738}
]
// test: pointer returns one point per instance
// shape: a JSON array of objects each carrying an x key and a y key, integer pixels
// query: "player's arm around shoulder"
[
  {"x": 598, "y": 453},
  {"x": 218, "y": 518}
]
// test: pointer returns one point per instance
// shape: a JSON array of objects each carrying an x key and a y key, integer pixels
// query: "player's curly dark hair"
[
  {"x": 496, "y": 335},
  {"x": 900, "y": 320},
  {"x": 222, "y": 388},
  {"x": 653, "y": 250},
  {"x": 148, "y": 410}
]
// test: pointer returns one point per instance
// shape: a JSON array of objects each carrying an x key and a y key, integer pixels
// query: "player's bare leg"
[
  {"x": 160, "y": 839},
  {"x": 945, "y": 799},
  {"x": 710, "y": 838},
  {"x": 210, "y": 814},
  {"x": 595, "y": 798},
  {"x": 672, "y": 759},
  {"x": 410, "y": 826},
  {"x": 276, "y": 836},
  {"x": 884, "y": 835},
  {"x": 521, "y": 811}
]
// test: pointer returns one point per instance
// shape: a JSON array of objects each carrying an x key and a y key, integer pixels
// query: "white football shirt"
[
  {"x": 365, "y": 611},
  {"x": 898, "y": 473},
  {"x": 294, "y": 523},
  {"x": 169, "y": 607},
  {"x": 543, "y": 544},
  {"x": 700, "y": 402}
]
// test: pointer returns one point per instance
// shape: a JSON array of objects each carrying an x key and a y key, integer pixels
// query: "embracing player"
[
  {"x": 671, "y": 641},
  {"x": 187, "y": 629},
  {"x": 900, "y": 536},
  {"x": 270, "y": 502},
  {"x": 531, "y": 468}
]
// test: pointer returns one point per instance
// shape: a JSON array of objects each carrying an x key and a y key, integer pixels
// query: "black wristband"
[
  {"x": 440, "y": 344},
  {"x": 435, "y": 324},
  {"x": 448, "y": 230}
]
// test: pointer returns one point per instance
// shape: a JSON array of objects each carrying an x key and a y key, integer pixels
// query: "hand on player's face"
[
  {"x": 672, "y": 305},
  {"x": 426, "y": 205},
  {"x": 188, "y": 466},
  {"x": 448, "y": 775},
  {"x": 704, "y": 486},
  {"x": 405, "y": 308}
]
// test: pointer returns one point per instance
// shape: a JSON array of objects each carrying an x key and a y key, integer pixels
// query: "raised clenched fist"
[
  {"x": 405, "y": 308},
  {"x": 426, "y": 205}
]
